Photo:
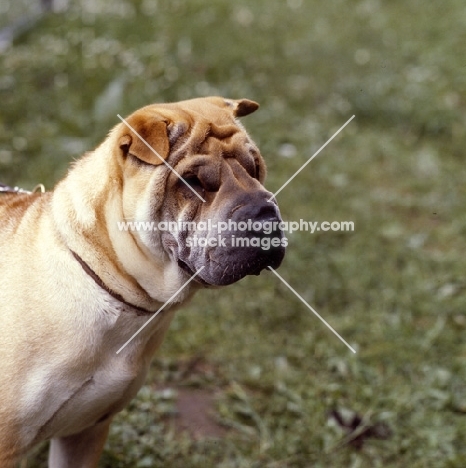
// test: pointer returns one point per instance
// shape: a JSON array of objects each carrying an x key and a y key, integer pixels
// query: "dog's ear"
[
  {"x": 242, "y": 107},
  {"x": 239, "y": 107},
  {"x": 145, "y": 139}
]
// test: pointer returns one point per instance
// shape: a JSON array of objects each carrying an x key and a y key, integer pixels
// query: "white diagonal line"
[
  {"x": 160, "y": 157},
  {"x": 310, "y": 308},
  {"x": 311, "y": 158},
  {"x": 161, "y": 308}
]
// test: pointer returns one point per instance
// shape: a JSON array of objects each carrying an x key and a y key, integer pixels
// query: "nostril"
[
  {"x": 267, "y": 211},
  {"x": 254, "y": 212},
  {"x": 268, "y": 227}
]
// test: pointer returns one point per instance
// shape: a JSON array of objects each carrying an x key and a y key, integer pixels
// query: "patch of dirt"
[
  {"x": 195, "y": 409},
  {"x": 193, "y": 379}
]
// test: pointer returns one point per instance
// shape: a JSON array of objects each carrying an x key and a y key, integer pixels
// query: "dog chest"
[{"x": 60, "y": 406}]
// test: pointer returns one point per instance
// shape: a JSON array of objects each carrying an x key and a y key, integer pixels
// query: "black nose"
[
  {"x": 261, "y": 222},
  {"x": 262, "y": 218},
  {"x": 267, "y": 227},
  {"x": 256, "y": 211}
]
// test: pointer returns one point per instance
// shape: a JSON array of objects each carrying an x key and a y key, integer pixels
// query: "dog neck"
[{"x": 101, "y": 284}]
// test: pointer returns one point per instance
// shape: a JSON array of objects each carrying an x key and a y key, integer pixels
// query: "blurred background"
[{"x": 247, "y": 377}]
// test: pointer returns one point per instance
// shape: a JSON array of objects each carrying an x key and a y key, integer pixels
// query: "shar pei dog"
[{"x": 79, "y": 279}]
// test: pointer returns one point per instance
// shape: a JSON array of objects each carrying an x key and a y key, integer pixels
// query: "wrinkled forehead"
[
  {"x": 209, "y": 127},
  {"x": 200, "y": 112},
  {"x": 200, "y": 130}
]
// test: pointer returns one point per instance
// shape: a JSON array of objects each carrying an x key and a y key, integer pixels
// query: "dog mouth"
[
  {"x": 220, "y": 280},
  {"x": 172, "y": 246},
  {"x": 213, "y": 267},
  {"x": 185, "y": 267}
]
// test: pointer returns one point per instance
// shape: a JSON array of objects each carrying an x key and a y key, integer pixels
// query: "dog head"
[{"x": 191, "y": 169}]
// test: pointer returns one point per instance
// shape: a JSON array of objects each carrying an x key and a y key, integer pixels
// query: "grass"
[{"x": 394, "y": 288}]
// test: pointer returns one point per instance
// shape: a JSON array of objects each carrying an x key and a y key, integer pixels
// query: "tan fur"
[{"x": 61, "y": 378}]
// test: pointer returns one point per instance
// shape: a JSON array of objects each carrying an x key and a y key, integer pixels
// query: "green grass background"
[{"x": 394, "y": 288}]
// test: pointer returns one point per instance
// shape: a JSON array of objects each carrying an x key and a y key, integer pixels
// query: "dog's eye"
[{"x": 194, "y": 183}]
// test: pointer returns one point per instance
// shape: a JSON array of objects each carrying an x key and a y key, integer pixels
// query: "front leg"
[{"x": 81, "y": 450}]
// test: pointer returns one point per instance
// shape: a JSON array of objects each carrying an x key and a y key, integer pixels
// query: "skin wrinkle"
[
  {"x": 100, "y": 283},
  {"x": 43, "y": 428},
  {"x": 193, "y": 146},
  {"x": 233, "y": 163},
  {"x": 16, "y": 202},
  {"x": 236, "y": 208},
  {"x": 176, "y": 131},
  {"x": 247, "y": 163},
  {"x": 195, "y": 142},
  {"x": 100, "y": 241},
  {"x": 184, "y": 146}
]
